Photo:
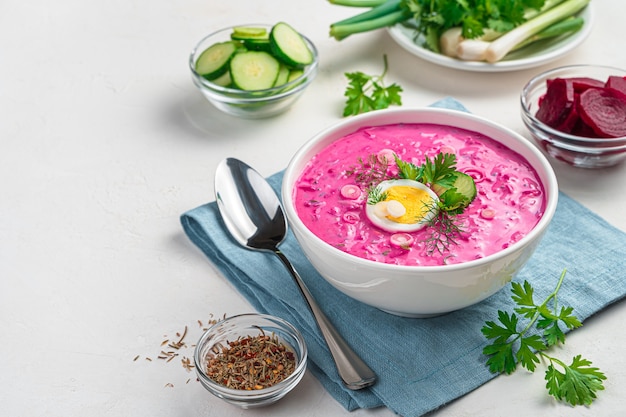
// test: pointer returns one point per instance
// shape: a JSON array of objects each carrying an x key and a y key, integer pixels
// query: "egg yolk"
[{"x": 417, "y": 202}]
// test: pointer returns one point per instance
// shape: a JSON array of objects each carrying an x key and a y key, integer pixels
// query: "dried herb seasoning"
[{"x": 251, "y": 362}]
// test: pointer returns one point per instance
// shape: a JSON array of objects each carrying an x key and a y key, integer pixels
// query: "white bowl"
[{"x": 419, "y": 291}]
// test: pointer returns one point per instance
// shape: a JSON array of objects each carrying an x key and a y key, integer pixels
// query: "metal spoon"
[{"x": 253, "y": 215}]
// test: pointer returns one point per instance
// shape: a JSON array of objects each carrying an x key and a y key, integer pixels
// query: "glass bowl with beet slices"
[{"x": 577, "y": 114}]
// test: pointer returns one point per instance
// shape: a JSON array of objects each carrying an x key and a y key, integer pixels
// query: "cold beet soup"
[{"x": 352, "y": 195}]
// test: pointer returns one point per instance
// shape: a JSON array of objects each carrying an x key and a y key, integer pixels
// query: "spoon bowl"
[{"x": 253, "y": 215}]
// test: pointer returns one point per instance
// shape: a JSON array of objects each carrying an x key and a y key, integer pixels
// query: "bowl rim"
[
  {"x": 538, "y": 81},
  {"x": 313, "y": 146},
  {"x": 273, "y": 93},
  {"x": 243, "y": 395}
]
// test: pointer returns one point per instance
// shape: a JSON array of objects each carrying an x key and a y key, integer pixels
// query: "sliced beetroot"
[
  {"x": 617, "y": 83},
  {"x": 604, "y": 110},
  {"x": 582, "y": 129},
  {"x": 576, "y": 85},
  {"x": 556, "y": 103},
  {"x": 570, "y": 120},
  {"x": 558, "y": 84},
  {"x": 580, "y": 84},
  {"x": 585, "y": 106}
]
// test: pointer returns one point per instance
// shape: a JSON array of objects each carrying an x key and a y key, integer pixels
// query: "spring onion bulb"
[
  {"x": 472, "y": 50},
  {"x": 450, "y": 40}
]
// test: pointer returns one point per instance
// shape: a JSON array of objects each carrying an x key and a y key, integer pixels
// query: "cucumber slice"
[
  {"x": 289, "y": 46},
  {"x": 283, "y": 75},
  {"x": 259, "y": 44},
  {"x": 213, "y": 61},
  {"x": 223, "y": 80},
  {"x": 254, "y": 70},
  {"x": 242, "y": 33},
  {"x": 459, "y": 195},
  {"x": 294, "y": 75},
  {"x": 465, "y": 185}
]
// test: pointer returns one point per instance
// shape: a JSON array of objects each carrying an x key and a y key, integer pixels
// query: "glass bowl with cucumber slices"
[{"x": 254, "y": 70}]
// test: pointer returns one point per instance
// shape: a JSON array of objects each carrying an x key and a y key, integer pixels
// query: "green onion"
[
  {"x": 507, "y": 42},
  {"x": 569, "y": 25},
  {"x": 490, "y": 36},
  {"x": 387, "y": 13}
]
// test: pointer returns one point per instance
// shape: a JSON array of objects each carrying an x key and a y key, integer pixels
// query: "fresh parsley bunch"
[
  {"x": 473, "y": 16},
  {"x": 514, "y": 343},
  {"x": 368, "y": 92}
]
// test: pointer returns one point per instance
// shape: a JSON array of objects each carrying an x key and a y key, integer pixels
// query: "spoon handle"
[{"x": 353, "y": 371}]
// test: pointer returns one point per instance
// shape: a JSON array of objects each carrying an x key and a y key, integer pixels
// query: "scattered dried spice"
[
  {"x": 179, "y": 345},
  {"x": 167, "y": 356},
  {"x": 251, "y": 363},
  {"x": 187, "y": 364}
]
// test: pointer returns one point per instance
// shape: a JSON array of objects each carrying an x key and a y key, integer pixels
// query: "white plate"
[{"x": 529, "y": 57}]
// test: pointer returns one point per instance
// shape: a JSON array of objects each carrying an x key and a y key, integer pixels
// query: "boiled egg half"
[{"x": 407, "y": 206}]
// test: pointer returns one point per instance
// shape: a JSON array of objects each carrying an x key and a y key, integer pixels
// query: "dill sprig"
[
  {"x": 444, "y": 230},
  {"x": 376, "y": 195},
  {"x": 370, "y": 172}
]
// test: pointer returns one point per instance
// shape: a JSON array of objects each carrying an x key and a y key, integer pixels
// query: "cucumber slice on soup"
[
  {"x": 465, "y": 185},
  {"x": 459, "y": 195}
]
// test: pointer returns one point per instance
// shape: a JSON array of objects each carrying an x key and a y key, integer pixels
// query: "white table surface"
[{"x": 104, "y": 142}]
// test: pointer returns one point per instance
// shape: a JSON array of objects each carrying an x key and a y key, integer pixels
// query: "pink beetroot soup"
[{"x": 510, "y": 197}]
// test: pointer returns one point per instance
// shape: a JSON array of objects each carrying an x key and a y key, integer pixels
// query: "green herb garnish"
[
  {"x": 513, "y": 344},
  {"x": 444, "y": 230},
  {"x": 368, "y": 92},
  {"x": 375, "y": 195},
  {"x": 441, "y": 171},
  {"x": 408, "y": 170},
  {"x": 370, "y": 172},
  {"x": 455, "y": 189}
]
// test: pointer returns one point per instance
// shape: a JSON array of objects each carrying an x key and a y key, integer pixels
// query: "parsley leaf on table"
[
  {"x": 368, "y": 92},
  {"x": 577, "y": 383}
]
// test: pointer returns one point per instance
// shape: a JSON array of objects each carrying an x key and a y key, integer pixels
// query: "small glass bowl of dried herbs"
[{"x": 250, "y": 360}]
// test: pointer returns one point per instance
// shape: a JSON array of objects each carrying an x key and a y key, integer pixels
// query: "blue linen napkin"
[{"x": 422, "y": 364}]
